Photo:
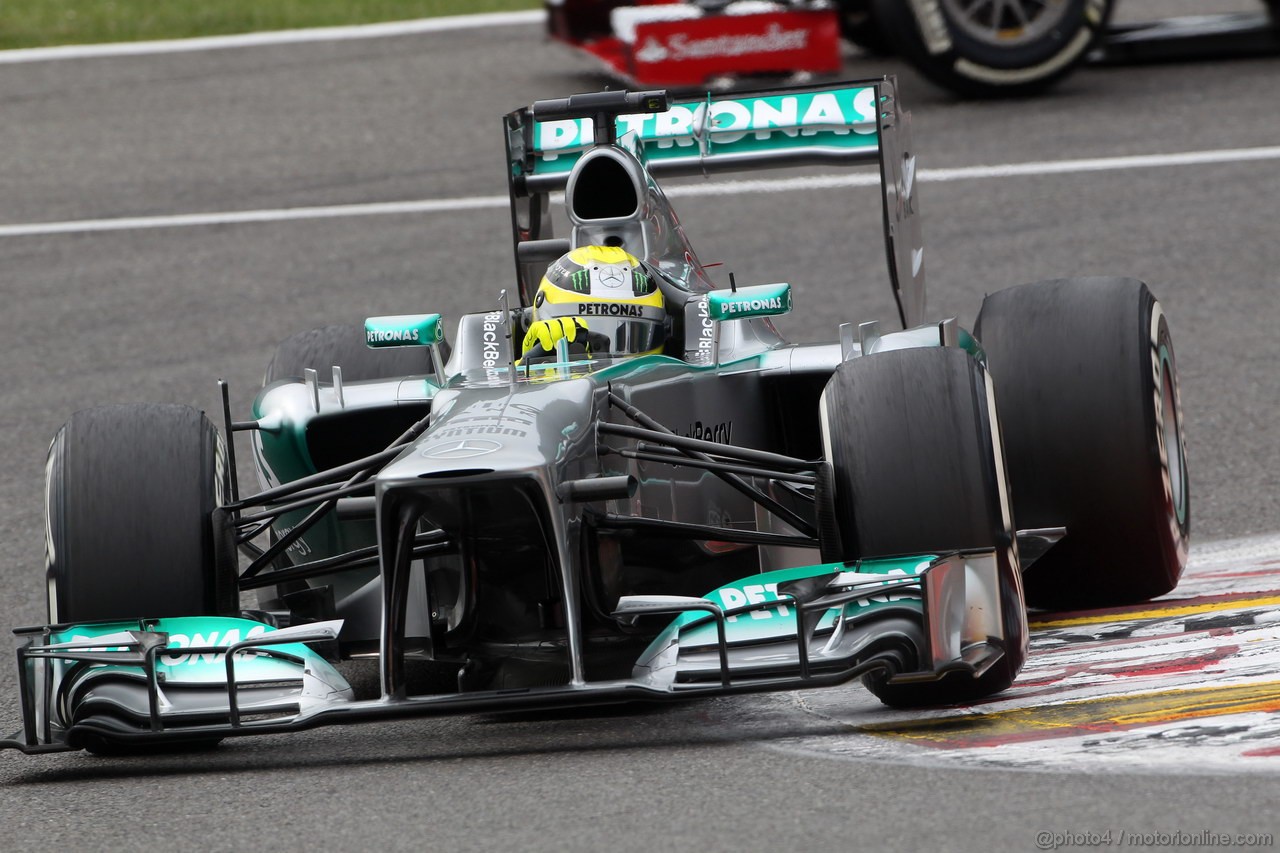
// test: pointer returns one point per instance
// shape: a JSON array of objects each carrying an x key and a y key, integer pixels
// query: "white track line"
[
  {"x": 365, "y": 31},
  {"x": 185, "y": 220},
  {"x": 721, "y": 188}
]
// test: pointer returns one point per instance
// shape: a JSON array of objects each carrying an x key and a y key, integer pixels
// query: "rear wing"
[{"x": 848, "y": 123}]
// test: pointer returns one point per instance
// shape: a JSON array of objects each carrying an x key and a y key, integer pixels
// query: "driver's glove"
[{"x": 545, "y": 333}]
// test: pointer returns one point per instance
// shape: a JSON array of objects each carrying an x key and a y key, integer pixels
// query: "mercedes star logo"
[{"x": 462, "y": 449}]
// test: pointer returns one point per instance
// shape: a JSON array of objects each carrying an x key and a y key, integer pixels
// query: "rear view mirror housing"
[
  {"x": 761, "y": 300},
  {"x": 403, "y": 330}
]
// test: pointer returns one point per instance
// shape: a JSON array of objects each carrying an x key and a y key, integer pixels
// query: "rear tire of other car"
[
  {"x": 982, "y": 56},
  {"x": 859, "y": 27},
  {"x": 131, "y": 493},
  {"x": 1087, "y": 388},
  {"x": 133, "y": 528},
  {"x": 344, "y": 346},
  {"x": 914, "y": 446}
]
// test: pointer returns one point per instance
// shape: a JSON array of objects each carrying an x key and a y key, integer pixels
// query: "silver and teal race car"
[{"x": 450, "y": 525}]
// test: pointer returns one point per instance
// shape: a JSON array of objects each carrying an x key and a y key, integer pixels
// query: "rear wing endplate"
[{"x": 849, "y": 123}]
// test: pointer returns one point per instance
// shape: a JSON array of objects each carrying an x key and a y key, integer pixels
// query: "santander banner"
[{"x": 689, "y": 52}]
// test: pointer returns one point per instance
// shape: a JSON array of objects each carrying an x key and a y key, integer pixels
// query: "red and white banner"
[{"x": 690, "y": 52}]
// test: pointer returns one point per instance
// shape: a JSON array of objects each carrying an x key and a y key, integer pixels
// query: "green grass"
[{"x": 40, "y": 23}]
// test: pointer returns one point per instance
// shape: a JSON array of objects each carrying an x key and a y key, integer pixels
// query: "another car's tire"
[
  {"x": 859, "y": 26},
  {"x": 344, "y": 346},
  {"x": 987, "y": 50},
  {"x": 1087, "y": 388},
  {"x": 131, "y": 530},
  {"x": 914, "y": 446}
]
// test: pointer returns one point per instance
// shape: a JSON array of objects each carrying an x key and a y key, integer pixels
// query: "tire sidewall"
[
  {"x": 1170, "y": 443},
  {"x": 1062, "y": 42},
  {"x": 973, "y": 68},
  {"x": 54, "y": 526}
]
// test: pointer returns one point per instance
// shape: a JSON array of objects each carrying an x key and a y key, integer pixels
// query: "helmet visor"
[
  {"x": 623, "y": 337},
  {"x": 612, "y": 328}
]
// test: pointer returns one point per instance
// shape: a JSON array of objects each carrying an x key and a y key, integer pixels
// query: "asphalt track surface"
[{"x": 159, "y": 314}]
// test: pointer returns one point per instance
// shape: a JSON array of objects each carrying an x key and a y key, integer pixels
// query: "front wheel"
[
  {"x": 133, "y": 528},
  {"x": 914, "y": 445},
  {"x": 131, "y": 493},
  {"x": 995, "y": 48}
]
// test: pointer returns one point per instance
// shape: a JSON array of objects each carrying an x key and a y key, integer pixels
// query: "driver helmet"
[{"x": 609, "y": 291}]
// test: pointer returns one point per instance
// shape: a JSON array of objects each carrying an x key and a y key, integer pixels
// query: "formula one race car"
[
  {"x": 665, "y": 500},
  {"x": 975, "y": 48}
]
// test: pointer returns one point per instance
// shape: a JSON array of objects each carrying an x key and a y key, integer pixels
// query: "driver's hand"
[{"x": 546, "y": 332}]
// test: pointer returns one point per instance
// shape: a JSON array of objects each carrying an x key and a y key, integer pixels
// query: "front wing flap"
[
  {"x": 124, "y": 683},
  {"x": 935, "y": 614}
]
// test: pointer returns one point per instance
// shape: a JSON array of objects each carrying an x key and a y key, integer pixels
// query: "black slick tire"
[
  {"x": 914, "y": 447},
  {"x": 974, "y": 53},
  {"x": 133, "y": 526},
  {"x": 1087, "y": 388},
  {"x": 131, "y": 493}
]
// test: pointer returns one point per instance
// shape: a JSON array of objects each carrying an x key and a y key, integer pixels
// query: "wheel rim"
[{"x": 1006, "y": 23}]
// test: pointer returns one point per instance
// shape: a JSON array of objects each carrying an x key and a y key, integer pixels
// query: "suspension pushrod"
[
  {"x": 396, "y": 447},
  {"x": 712, "y": 465},
  {"x": 321, "y": 492},
  {"x": 313, "y": 497},
  {"x": 322, "y": 478},
  {"x": 351, "y": 560},
  {"x": 244, "y": 536},
  {"x": 698, "y": 445},
  {"x": 804, "y": 496},
  {"x": 250, "y": 550},
  {"x": 657, "y": 431},
  {"x": 706, "y": 532}
]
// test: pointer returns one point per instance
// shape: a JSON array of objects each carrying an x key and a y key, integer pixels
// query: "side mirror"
[
  {"x": 408, "y": 330},
  {"x": 403, "y": 330},
  {"x": 761, "y": 300}
]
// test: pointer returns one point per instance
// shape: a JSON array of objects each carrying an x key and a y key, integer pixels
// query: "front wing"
[{"x": 163, "y": 681}]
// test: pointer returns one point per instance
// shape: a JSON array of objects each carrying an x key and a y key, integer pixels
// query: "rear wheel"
[
  {"x": 131, "y": 493},
  {"x": 1088, "y": 392},
  {"x": 914, "y": 445},
  {"x": 1002, "y": 47}
]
